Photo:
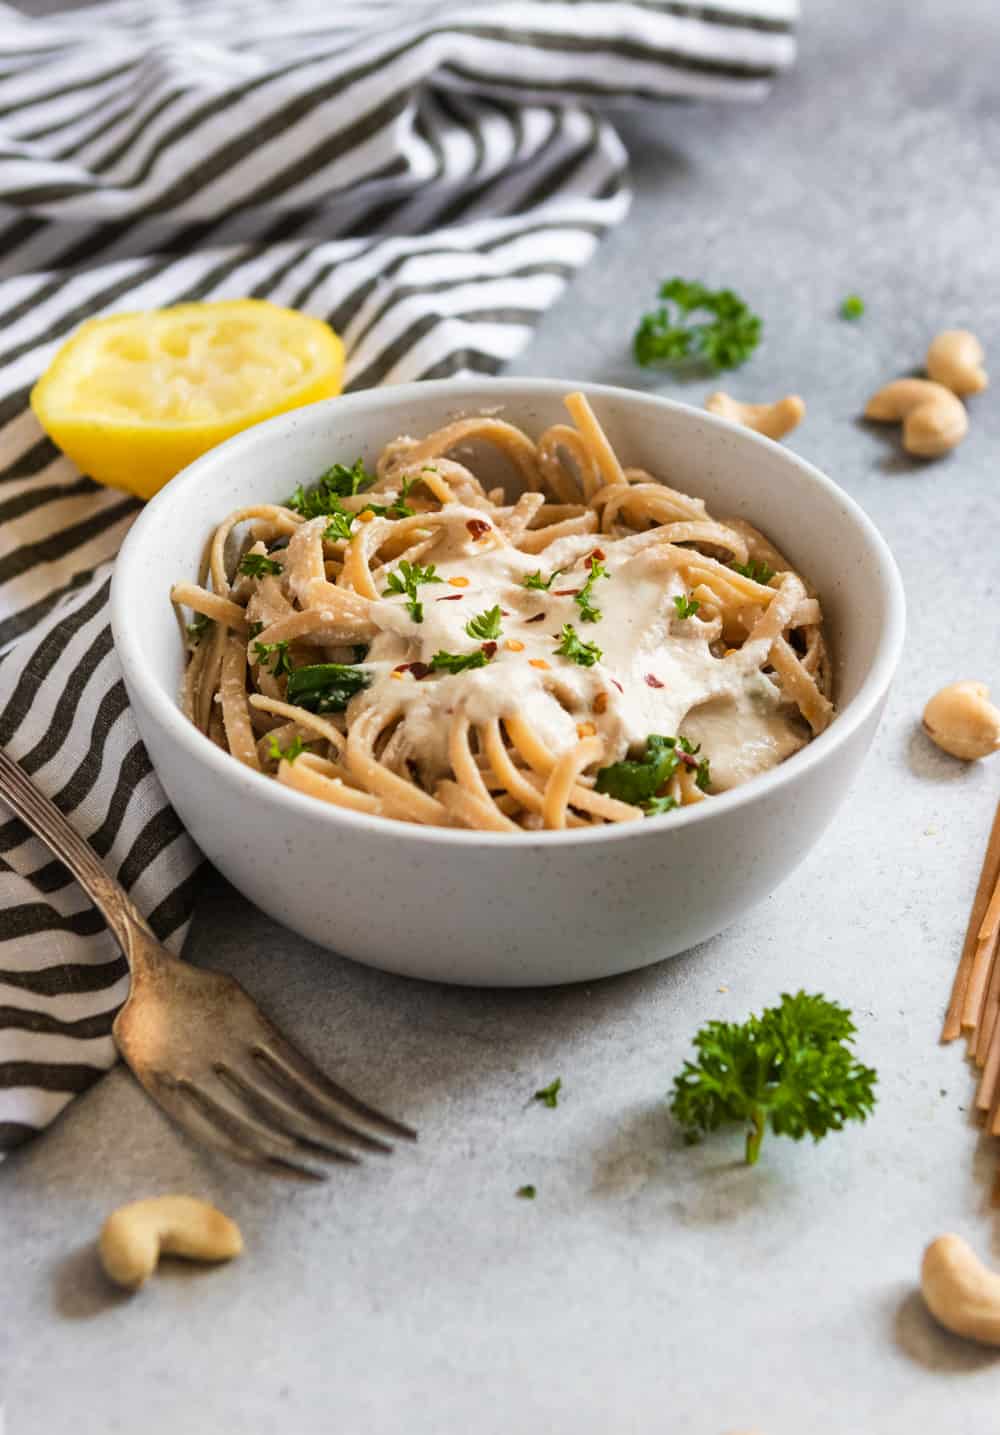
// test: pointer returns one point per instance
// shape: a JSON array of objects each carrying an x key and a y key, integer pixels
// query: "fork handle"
[{"x": 46, "y": 821}]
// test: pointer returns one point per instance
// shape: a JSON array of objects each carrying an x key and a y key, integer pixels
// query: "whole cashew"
[
  {"x": 934, "y": 420},
  {"x": 960, "y": 1291},
  {"x": 134, "y": 1237},
  {"x": 772, "y": 420},
  {"x": 962, "y": 720},
  {"x": 955, "y": 359}
]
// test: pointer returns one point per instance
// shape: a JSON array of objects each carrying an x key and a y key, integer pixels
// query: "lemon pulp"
[{"x": 133, "y": 398}]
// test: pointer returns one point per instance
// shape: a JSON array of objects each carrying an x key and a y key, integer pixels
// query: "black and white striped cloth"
[{"x": 424, "y": 175}]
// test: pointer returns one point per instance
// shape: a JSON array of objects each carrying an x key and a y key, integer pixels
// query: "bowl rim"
[{"x": 166, "y": 711}]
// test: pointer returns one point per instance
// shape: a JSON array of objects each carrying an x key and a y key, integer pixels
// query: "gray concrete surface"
[{"x": 649, "y": 1287}]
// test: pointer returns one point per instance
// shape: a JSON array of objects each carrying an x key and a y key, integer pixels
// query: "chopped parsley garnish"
[
  {"x": 756, "y": 572},
  {"x": 459, "y": 662},
  {"x": 791, "y": 1067},
  {"x": 549, "y": 1095},
  {"x": 572, "y": 646},
  {"x": 199, "y": 628},
  {"x": 588, "y": 613},
  {"x": 724, "y": 340},
  {"x": 407, "y": 579},
  {"x": 399, "y": 509},
  {"x": 294, "y": 749},
  {"x": 535, "y": 580},
  {"x": 527, "y": 1193},
  {"x": 659, "y": 806},
  {"x": 323, "y": 496},
  {"x": 273, "y": 656},
  {"x": 639, "y": 781},
  {"x": 852, "y": 307},
  {"x": 686, "y": 607},
  {"x": 339, "y": 526},
  {"x": 326, "y": 687},
  {"x": 485, "y": 625},
  {"x": 258, "y": 565}
]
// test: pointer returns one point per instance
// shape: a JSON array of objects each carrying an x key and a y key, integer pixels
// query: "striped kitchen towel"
[{"x": 425, "y": 176}]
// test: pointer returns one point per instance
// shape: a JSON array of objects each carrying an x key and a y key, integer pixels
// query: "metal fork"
[{"x": 196, "y": 1041}]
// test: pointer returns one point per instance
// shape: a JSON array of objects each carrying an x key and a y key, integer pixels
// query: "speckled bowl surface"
[{"x": 487, "y": 908}]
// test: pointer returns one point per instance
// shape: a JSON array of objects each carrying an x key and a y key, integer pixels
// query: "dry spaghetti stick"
[
  {"x": 986, "y": 1095},
  {"x": 987, "y": 1025},
  {"x": 992, "y": 919},
  {"x": 979, "y": 975},
  {"x": 987, "y": 881}
]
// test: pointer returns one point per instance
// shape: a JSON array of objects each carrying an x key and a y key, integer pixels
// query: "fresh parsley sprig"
[
  {"x": 640, "y": 780},
  {"x": 324, "y": 495},
  {"x": 724, "y": 340},
  {"x": 326, "y": 687},
  {"x": 659, "y": 806},
  {"x": 407, "y": 579},
  {"x": 757, "y": 572},
  {"x": 535, "y": 580},
  {"x": 573, "y": 647},
  {"x": 198, "y": 628},
  {"x": 588, "y": 612},
  {"x": 791, "y": 1068},
  {"x": 340, "y": 526},
  {"x": 294, "y": 749},
  {"x": 259, "y": 565},
  {"x": 549, "y": 1095},
  {"x": 852, "y": 307},
  {"x": 459, "y": 662},
  {"x": 485, "y": 625},
  {"x": 273, "y": 656},
  {"x": 686, "y": 607}
]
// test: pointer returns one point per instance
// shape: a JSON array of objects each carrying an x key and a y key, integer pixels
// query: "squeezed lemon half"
[{"x": 134, "y": 398}]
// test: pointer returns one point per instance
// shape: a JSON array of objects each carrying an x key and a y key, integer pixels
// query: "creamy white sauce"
[{"x": 657, "y": 672}]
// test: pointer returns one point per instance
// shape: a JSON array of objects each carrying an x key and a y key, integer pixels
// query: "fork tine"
[
  {"x": 297, "y": 1071},
  {"x": 254, "y": 1136},
  {"x": 282, "y": 1116},
  {"x": 168, "y": 1095}
]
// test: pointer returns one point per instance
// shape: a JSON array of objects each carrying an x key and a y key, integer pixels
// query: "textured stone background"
[{"x": 649, "y": 1287}]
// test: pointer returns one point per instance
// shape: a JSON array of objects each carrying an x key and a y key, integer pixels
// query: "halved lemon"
[{"x": 134, "y": 398}]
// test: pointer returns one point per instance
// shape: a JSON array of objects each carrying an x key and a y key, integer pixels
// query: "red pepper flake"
[
  {"x": 450, "y": 598},
  {"x": 688, "y": 759},
  {"x": 402, "y": 667},
  {"x": 489, "y": 649},
  {"x": 536, "y": 619},
  {"x": 598, "y": 556},
  {"x": 478, "y": 528},
  {"x": 565, "y": 592},
  {"x": 419, "y": 670},
  {"x": 618, "y": 685},
  {"x": 652, "y": 681}
]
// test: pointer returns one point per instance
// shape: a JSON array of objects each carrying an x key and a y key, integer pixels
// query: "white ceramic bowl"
[{"x": 485, "y": 908}]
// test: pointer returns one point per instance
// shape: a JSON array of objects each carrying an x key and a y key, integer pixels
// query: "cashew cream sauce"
[{"x": 656, "y": 672}]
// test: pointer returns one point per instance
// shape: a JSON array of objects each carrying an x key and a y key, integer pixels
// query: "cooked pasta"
[{"x": 412, "y": 645}]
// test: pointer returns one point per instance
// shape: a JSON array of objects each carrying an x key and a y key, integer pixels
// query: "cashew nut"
[
  {"x": 960, "y": 1291},
  {"x": 934, "y": 420},
  {"x": 962, "y": 720},
  {"x": 772, "y": 420},
  {"x": 955, "y": 359},
  {"x": 134, "y": 1237}
]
